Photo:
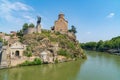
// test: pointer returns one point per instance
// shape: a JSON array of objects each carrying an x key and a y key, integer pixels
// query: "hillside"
[{"x": 55, "y": 42}]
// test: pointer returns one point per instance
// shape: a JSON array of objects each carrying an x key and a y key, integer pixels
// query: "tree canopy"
[
  {"x": 114, "y": 43},
  {"x": 73, "y": 29},
  {"x": 31, "y": 25},
  {"x": 25, "y": 26}
]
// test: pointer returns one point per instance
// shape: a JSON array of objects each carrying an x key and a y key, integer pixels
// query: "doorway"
[{"x": 17, "y": 53}]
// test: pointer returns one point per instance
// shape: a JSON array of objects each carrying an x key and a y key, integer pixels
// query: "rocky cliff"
[{"x": 56, "y": 43}]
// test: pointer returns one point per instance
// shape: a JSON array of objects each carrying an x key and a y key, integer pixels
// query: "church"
[{"x": 61, "y": 25}]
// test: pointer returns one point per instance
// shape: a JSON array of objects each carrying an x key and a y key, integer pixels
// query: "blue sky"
[{"x": 94, "y": 19}]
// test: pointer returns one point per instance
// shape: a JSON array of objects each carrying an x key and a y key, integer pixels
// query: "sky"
[{"x": 94, "y": 19}]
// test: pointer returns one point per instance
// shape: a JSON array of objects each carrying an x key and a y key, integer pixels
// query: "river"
[{"x": 98, "y": 66}]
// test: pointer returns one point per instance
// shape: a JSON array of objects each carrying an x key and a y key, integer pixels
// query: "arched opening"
[{"x": 17, "y": 53}]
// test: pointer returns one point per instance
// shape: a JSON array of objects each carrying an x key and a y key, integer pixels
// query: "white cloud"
[
  {"x": 29, "y": 18},
  {"x": 111, "y": 15},
  {"x": 13, "y": 13},
  {"x": 21, "y": 6}
]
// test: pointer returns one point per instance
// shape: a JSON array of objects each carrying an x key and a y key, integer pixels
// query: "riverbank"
[
  {"x": 111, "y": 46},
  {"x": 111, "y": 51},
  {"x": 36, "y": 61},
  {"x": 98, "y": 66}
]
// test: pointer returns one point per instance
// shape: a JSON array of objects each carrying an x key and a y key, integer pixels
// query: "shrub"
[
  {"x": 28, "y": 53},
  {"x": 62, "y": 52},
  {"x": 36, "y": 61}
]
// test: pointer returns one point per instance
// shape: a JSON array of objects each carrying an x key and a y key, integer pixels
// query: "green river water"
[{"x": 98, "y": 66}]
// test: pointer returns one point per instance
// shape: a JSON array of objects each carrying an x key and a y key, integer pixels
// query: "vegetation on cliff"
[{"x": 36, "y": 42}]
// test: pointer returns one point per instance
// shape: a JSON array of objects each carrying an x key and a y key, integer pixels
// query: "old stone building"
[
  {"x": 61, "y": 25},
  {"x": 16, "y": 49},
  {"x": 11, "y": 53}
]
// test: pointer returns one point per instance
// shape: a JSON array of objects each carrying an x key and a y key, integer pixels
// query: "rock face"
[{"x": 49, "y": 45}]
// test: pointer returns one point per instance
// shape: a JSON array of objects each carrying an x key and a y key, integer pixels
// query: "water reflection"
[
  {"x": 98, "y": 66},
  {"x": 62, "y": 71}
]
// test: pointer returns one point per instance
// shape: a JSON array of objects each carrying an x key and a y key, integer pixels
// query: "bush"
[
  {"x": 28, "y": 53},
  {"x": 63, "y": 52},
  {"x": 36, "y": 61},
  {"x": 26, "y": 63}
]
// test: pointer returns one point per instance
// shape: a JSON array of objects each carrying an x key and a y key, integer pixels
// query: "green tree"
[
  {"x": 31, "y": 25},
  {"x": 108, "y": 44},
  {"x": 89, "y": 45},
  {"x": 25, "y": 26},
  {"x": 99, "y": 44},
  {"x": 117, "y": 43},
  {"x": 73, "y": 29}
]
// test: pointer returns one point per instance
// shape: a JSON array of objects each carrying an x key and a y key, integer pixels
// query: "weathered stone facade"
[
  {"x": 10, "y": 53},
  {"x": 30, "y": 31},
  {"x": 16, "y": 49},
  {"x": 61, "y": 25},
  {"x": 37, "y": 29}
]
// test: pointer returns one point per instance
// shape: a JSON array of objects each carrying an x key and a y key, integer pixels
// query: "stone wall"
[
  {"x": 4, "y": 61},
  {"x": 30, "y": 31},
  {"x": 38, "y": 28}
]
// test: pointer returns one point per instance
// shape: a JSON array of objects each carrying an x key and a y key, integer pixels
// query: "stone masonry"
[{"x": 61, "y": 25}]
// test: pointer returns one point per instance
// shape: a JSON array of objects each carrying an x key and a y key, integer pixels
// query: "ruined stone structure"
[
  {"x": 61, "y": 25},
  {"x": 11, "y": 53},
  {"x": 30, "y": 31},
  {"x": 16, "y": 49},
  {"x": 36, "y": 29}
]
